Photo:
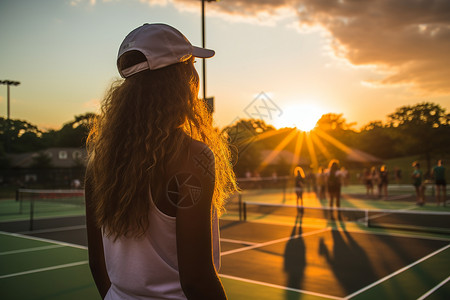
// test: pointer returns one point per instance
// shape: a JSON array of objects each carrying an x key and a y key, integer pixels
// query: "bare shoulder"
[
  {"x": 201, "y": 159},
  {"x": 196, "y": 147}
]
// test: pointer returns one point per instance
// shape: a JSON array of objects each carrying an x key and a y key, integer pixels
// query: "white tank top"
[{"x": 147, "y": 268}]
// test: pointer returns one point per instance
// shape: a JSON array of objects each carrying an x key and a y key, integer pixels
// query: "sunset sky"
[{"x": 308, "y": 57}]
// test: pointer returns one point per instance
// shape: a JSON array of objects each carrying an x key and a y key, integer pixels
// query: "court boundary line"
[
  {"x": 45, "y": 269},
  {"x": 259, "y": 245},
  {"x": 30, "y": 249},
  {"x": 365, "y": 231},
  {"x": 396, "y": 273},
  {"x": 237, "y": 241},
  {"x": 278, "y": 286},
  {"x": 434, "y": 289},
  {"x": 57, "y": 229},
  {"x": 44, "y": 240}
]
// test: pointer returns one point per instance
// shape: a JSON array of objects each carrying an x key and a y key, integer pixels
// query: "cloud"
[
  {"x": 92, "y": 104},
  {"x": 408, "y": 39}
]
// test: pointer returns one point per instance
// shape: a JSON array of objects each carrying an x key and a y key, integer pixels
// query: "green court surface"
[{"x": 270, "y": 257}]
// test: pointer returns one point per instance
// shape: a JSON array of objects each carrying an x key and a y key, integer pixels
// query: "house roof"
[{"x": 60, "y": 157}]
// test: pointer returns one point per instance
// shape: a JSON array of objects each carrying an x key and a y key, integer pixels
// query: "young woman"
[
  {"x": 157, "y": 176},
  {"x": 334, "y": 183}
]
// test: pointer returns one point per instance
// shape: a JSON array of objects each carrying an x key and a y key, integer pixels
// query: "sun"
[{"x": 302, "y": 116}]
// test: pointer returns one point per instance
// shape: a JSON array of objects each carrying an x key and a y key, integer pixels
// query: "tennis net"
[
  {"x": 39, "y": 203},
  {"x": 425, "y": 221}
]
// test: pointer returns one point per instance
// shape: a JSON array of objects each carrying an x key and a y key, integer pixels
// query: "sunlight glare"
[{"x": 301, "y": 116}]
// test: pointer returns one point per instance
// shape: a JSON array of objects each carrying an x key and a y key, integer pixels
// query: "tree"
[
  {"x": 375, "y": 138},
  {"x": 421, "y": 129},
  {"x": 74, "y": 133},
  {"x": 333, "y": 122},
  {"x": 244, "y": 144},
  {"x": 19, "y": 136}
]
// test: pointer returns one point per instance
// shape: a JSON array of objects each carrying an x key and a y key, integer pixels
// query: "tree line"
[{"x": 422, "y": 129}]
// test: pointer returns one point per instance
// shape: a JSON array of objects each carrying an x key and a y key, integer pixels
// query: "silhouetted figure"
[
  {"x": 321, "y": 183},
  {"x": 299, "y": 184},
  {"x": 440, "y": 182},
  {"x": 334, "y": 183},
  {"x": 384, "y": 181},
  {"x": 367, "y": 181},
  {"x": 417, "y": 176}
]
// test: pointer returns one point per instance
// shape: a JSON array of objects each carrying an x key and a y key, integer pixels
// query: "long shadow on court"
[
  {"x": 346, "y": 259},
  {"x": 295, "y": 258}
]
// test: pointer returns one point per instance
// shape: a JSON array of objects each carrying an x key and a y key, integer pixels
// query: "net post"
[
  {"x": 285, "y": 182},
  {"x": 31, "y": 212},
  {"x": 244, "y": 207}
]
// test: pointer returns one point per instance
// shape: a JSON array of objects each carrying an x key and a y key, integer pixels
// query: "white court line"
[
  {"x": 237, "y": 241},
  {"x": 406, "y": 235},
  {"x": 382, "y": 214},
  {"x": 274, "y": 241},
  {"x": 30, "y": 249},
  {"x": 43, "y": 240},
  {"x": 433, "y": 289},
  {"x": 45, "y": 269},
  {"x": 397, "y": 272},
  {"x": 54, "y": 229},
  {"x": 278, "y": 286}
]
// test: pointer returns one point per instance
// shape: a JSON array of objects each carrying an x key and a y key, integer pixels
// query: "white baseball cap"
[{"x": 162, "y": 45}]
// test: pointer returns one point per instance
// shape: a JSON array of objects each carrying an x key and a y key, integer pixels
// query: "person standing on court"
[
  {"x": 321, "y": 183},
  {"x": 299, "y": 185},
  {"x": 438, "y": 173},
  {"x": 334, "y": 183},
  {"x": 384, "y": 181},
  {"x": 418, "y": 183},
  {"x": 157, "y": 176}
]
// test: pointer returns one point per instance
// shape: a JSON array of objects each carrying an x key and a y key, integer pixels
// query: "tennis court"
[{"x": 289, "y": 255}]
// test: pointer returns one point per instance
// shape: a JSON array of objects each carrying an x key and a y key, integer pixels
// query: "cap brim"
[{"x": 202, "y": 52}]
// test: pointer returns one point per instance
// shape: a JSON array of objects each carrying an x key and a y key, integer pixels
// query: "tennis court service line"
[
  {"x": 258, "y": 245},
  {"x": 45, "y": 269},
  {"x": 397, "y": 272},
  {"x": 279, "y": 287},
  {"x": 30, "y": 249},
  {"x": 54, "y": 229},
  {"x": 43, "y": 240},
  {"x": 434, "y": 289},
  {"x": 237, "y": 241}
]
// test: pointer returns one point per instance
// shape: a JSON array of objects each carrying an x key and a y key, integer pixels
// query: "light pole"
[
  {"x": 8, "y": 83},
  {"x": 209, "y": 101}
]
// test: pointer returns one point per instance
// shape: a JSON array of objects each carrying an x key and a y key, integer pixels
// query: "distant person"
[
  {"x": 384, "y": 181},
  {"x": 334, "y": 183},
  {"x": 417, "y": 176},
  {"x": 157, "y": 175},
  {"x": 344, "y": 176},
  {"x": 321, "y": 183},
  {"x": 311, "y": 181},
  {"x": 438, "y": 173},
  {"x": 367, "y": 181},
  {"x": 397, "y": 175},
  {"x": 375, "y": 176},
  {"x": 299, "y": 185}
]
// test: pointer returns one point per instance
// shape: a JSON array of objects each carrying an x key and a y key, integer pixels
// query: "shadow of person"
[
  {"x": 295, "y": 258},
  {"x": 348, "y": 260}
]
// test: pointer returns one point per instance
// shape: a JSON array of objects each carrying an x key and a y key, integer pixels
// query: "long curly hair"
[{"x": 144, "y": 119}]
